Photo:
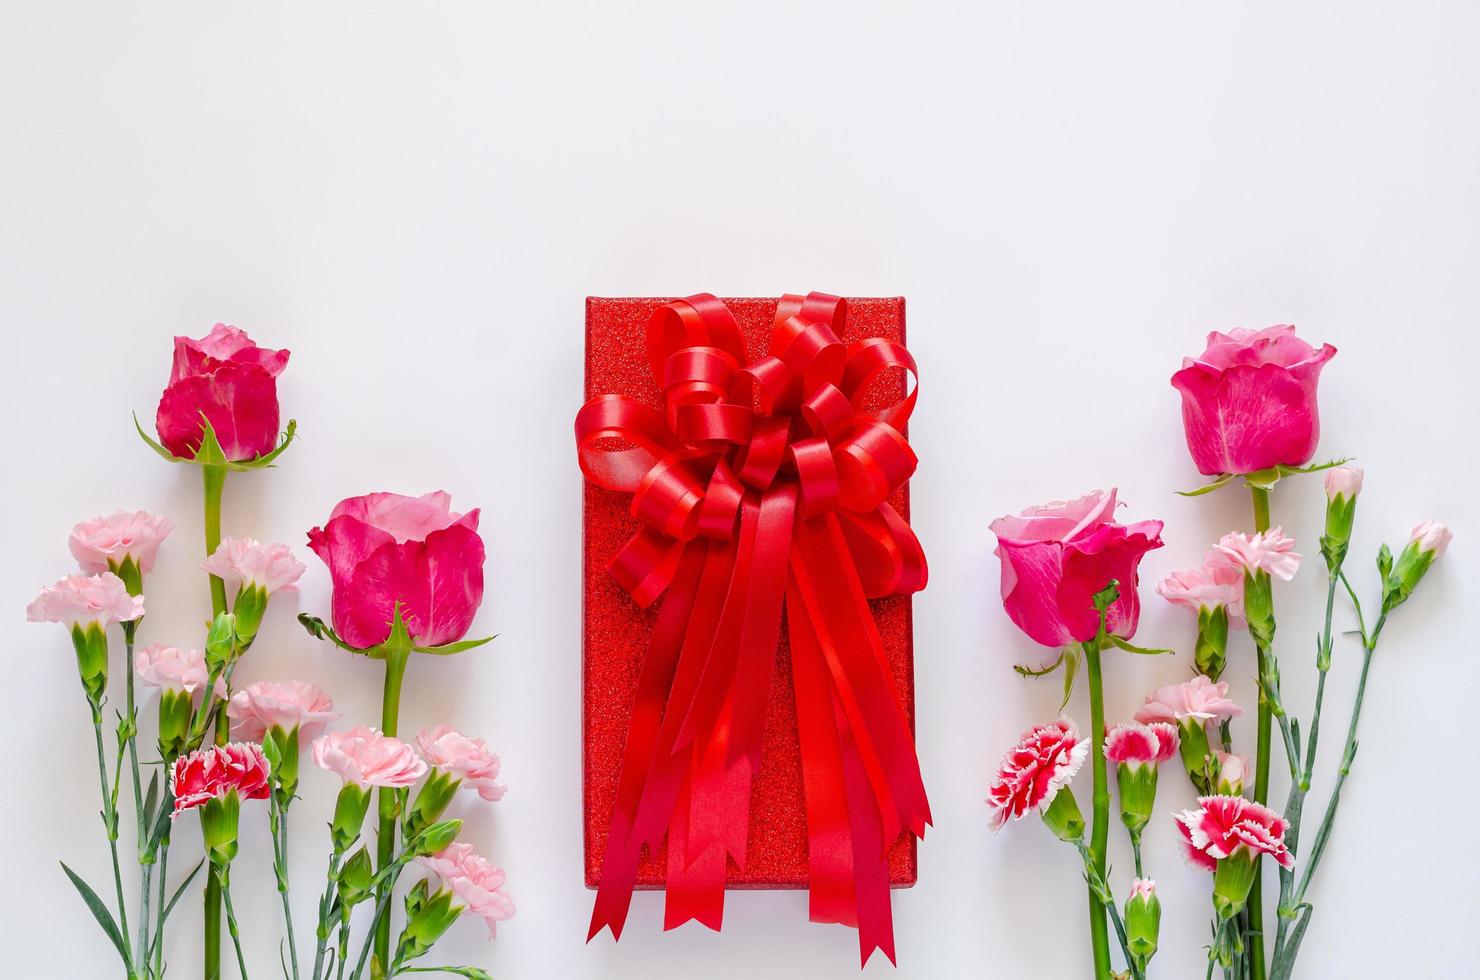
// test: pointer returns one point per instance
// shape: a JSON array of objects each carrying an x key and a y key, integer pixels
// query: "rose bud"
[
  {"x": 1215, "y": 593},
  {"x": 1137, "y": 751},
  {"x": 386, "y": 553},
  {"x": 232, "y": 383},
  {"x": 122, "y": 543},
  {"x": 87, "y": 605},
  {"x": 1249, "y": 400},
  {"x": 1035, "y": 774},
  {"x": 1190, "y": 706},
  {"x": 1426, "y": 544},
  {"x": 1343, "y": 483},
  {"x": 1055, "y": 558},
  {"x": 1227, "y": 835},
  {"x": 1142, "y": 921}
]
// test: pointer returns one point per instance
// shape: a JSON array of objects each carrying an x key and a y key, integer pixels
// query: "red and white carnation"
[
  {"x": 1136, "y": 744},
  {"x": 1222, "y": 825},
  {"x": 207, "y": 774},
  {"x": 1033, "y": 771}
]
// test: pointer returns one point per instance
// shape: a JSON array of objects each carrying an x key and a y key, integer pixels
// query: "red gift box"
[{"x": 616, "y": 630}]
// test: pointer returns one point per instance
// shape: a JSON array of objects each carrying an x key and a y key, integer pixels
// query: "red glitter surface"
[{"x": 616, "y": 630}]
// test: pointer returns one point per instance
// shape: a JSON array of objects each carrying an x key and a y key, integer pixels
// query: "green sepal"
[
  {"x": 1341, "y": 512},
  {"x": 431, "y": 801},
  {"x": 417, "y": 897},
  {"x": 350, "y": 808},
  {"x": 222, "y": 643},
  {"x": 447, "y": 649},
  {"x": 210, "y": 452},
  {"x": 1267, "y": 478},
  {"x": 1137, "y": 794},
  {"x": 436, "y": 837},
  {"x": 175, "y": 710},
  {"x": 1197, "y": 755},
  {"x": 1232, "y": 882},
  {"x": 1404, "y": 575},
  {"x": 356, "y": 878},
  {"x": 1041, "y": 671},
  {"x": 1142, "y": 927},
  {"x": 91, "y": 644},
  {"x": 1259, "y": 607},
  {"x": 248, "y": 608},
  {"x": 1071, "y": 671},
  {"x": 1211, "y": 653},
  {"x": 219, "y": 821},
  {"x": 321, "y": 630},
  {"x": 1062, "y": 816},
  {"x": 281, "y": 749},
  {"x": 435, "y": 916},
  {"x": 1130, "y": 647},
  {"x": 1217, "y": 484}
]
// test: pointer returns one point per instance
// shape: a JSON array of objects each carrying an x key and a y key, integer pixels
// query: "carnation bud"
[
  {"x": 284, "y": 758},
  {"x": 1212, "y": 640},
  {"x": 1232, "y": 882},
  {"x": 219, "y": 817},
  {"x": 434, "y": 915},
  {"x": 432, "y": 800},
  {"x": 221, "y": 643},
  {"x": 1343, "y": 483},
  {"x": 1233, "y": 772},
  {"x": 91, "y": 644},
  {"x": 349, "y": 815},
  {"x": 175, "y": 710},
  {"x": 1197, "y": 754},
  {"x": 1142, "y": 921},
  {"x": 417, "y": 897},
  {"x": 436, "y": 837},
  {"x": 1426, "y": 544},
  {"x": 1137, "y": 782},
  {"x": 249, "y": 607},
  {"x": 355, "y": 878},
  {"x": 1063, "y": 817},
  {"x": 1259, "y": 607}
]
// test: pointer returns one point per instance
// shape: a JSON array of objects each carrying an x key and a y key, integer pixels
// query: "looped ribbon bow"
[{"x": 759, "y": 485}]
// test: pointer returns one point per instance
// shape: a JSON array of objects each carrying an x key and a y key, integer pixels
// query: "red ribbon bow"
[{"x": 761, "y": 485}]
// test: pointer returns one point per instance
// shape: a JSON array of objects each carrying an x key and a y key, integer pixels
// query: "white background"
[{"x": 415, "y": 198}]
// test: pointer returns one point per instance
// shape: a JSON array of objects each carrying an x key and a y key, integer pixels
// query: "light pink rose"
[
  {"x": 1208, "y": 587},
  {"x": 84, "y": 599},
  {"x": 1225, "y": 825},
  {"x": 1198, "y": 699},
  {"x": 1268, "y": 551},
  {"x": 1056, "y": 557},
  {"x": 384, "y": 548},
  {"x": 1431, "y": 536},
  {"x": 1249, "y": 401},
  {"x": 365, "y": 757},
  {"x": 294, "y": 704},
  {"x": 172, "y": 669},
  {"x": 103, "y": 543},
  {"x": 246, "y": 560},
  {"x": 466, "y": 758},
  {"x": 1137, "y": 744},
  {"x": 1343, "y": 480},
  {"x": 475, "y": 883},
  {"x": 1033, "y": 771},
  {"x": 233, "y": 383}
]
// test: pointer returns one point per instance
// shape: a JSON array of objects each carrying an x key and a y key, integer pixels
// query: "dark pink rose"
[
  {"x": 1056, "y": 557},
  {"x": 1249, "y": 402},
  {"x": 384, "y": 548},
  {"x": 230, "y": 380}
]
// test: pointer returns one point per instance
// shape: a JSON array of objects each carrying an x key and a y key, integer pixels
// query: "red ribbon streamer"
[{"x": 759, "y": 486}]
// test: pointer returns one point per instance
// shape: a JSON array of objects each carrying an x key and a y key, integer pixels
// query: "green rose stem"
[
  {"x": 397, "y": 654},
  {"x": 215, "y": 482},
  {"x": 1255, "y": 939},
  {"x": 1100, "y": 828}
]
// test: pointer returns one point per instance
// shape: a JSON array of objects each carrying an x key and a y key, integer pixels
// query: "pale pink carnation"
[
  {"x": 1345, "y": 481},
  {"x": 246, "y": 560},
  {"x": 294, "y": 704},
  {"x": 1224, "y": 825},
  {"x": 172, "y": 669},
  {"x": 365, "y": 757},
  {"x": 103, "y": 543},
  {"x": 1143, "y": 888},
  {"x": 85, "y": 599},
  {"x": 1033, "y": 771},
  {"x": 1233, "y": 771},
  {"x": 1136, "y": 744},
  {"x": 475, "y": 883},
  {"x": 1199, "y": 699},
  {"x": 1268, "y": 551},
  {"x": 468, "y": 759},
  {"x": 1431, "y": 536},
  {"x": 1207, "y": 587}
]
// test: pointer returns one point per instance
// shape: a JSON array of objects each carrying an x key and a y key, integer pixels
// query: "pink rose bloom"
[
  {"x": 1208, "y": 587},
  {"x": 1033, "y": 771},
  {"x": 80, "y": 600},
  {"x": 468, "y": 759},
  {"x": 248, "y": 561},
  {"x": 172, "y": 669},
  {"x": 259, "y": 707},
  {"x": 385, "y": 548},
  {"x": 475, "y": 883},
  {"x": 1343, "y": 480},
  {"x": 365, "y": 757},
  {"x": 230, "y": 380},
  {"x": 1249, "y": 402},
  {"x": 1136, "y": 744},
  {"x": 1198, "y": 699},
  {"x": 1222, "y": 825},
  {"x": 1056, "y": 557},
  {"x": 103, "y": 543},
  {"x": 210, "y": 773},
  {"x": 1431, "y": 536},
  {"x": 1268, "y": 551}
]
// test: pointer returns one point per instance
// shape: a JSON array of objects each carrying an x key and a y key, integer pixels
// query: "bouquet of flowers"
[
  {"x": 1069, "y": 580},
  {"x": 407, "y": 579}
]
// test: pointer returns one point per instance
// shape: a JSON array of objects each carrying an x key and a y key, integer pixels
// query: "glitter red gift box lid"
[{"x": 616, "y": 629}]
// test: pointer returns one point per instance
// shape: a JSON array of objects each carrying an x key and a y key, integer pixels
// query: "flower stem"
[
  {"x": 387, "y": 800},
  {"x": 236, "y": 939},
  {"x": 158, "y": 943},
  {"x": 326, "y": 906},
  {"x": 1100, "y": 829},
  {"x": 215, "y": 482},
  {"x": 146, "y": 861},
  {"x": 1255, "y": 937},
  {"x": 277, "y": 818},
  {"x": 110, "y": 825}
]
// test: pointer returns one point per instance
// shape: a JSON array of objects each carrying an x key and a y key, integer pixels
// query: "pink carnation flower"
[
  {"x": 172, "y": 669},
  {"x": 80, "y": 600},
  {"x": 246, "y": 560},
  {"x": 209, "y": 773},
  {"x": 1198, "y": 699},
  {"x": 103, "y": 543},
  {"x": 267, "y": 704},
  {"x": 1207, "y": 587},
  {"x": 1431, "y": 536},
  {"x": 1033, "y": 771},
  {"x": 468, "y": 759},
  {"x": 1223, "y": 824},
  {"x": 474, "y": 882},
  {"x": 365, "y": 757},
  {"x": 1143, "y": 888},
  {"x": 1233, "y": 772},
  {"x": 1268, "y": 551},
  {"x": 1345, "y": 481},
  {"x": 1135, "y": 744}
]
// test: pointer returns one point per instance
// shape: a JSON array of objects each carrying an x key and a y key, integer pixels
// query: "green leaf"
[
  {"x": 1129, "y": 647},
  {"x": 1071, "y": 669},
  {"x": 266, "y": 460},
  {"x": 1222, "y": 481},
  {"x": 174, "y": 900},
  {"x": 151, "y": 796},
  {"x": 471, "y": 972},
  {"x": 320, "y": 630},
  {"x": 99, "y": 911},
  {"x": 1314, "y": 467},
  {"x": 1042, "y": 672},
  {"x": 447, "y": 649}
]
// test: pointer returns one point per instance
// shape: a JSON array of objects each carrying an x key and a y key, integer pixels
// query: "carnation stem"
[
  {"x": 1255, "y": 937},
  {"x": 158, "y": 943},
  {"x": 215, "y": 482},
  {"x": 236, "y": 940},
  {"x": 277, "y": 818},
  {"x": 1100, "y": 829},
  {"x": 146, "y": 860},
  {"x": 326, "y": 906},
  {"x": 110, "y": 825},
  {"x": 387, "y": 799}
]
